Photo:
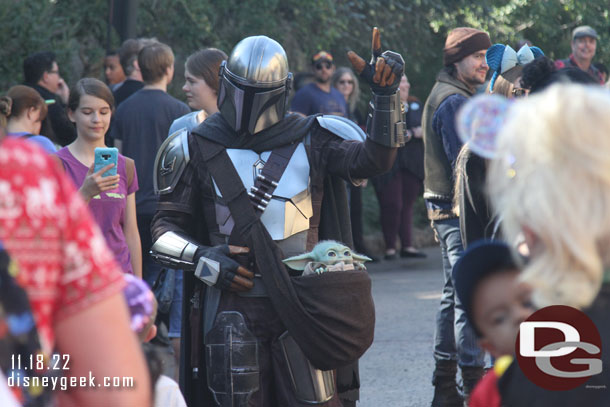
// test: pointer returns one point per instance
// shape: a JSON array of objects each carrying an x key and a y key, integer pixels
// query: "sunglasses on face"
[
  {"x": 346, "y": 82},
  {"x": 519, "y": 92},
  {"x": 320, "y": 65}
]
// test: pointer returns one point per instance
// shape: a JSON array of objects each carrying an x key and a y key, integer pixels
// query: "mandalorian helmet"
[{"x": 254, "y": 85}]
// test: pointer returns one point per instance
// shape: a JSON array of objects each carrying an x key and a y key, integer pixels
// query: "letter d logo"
[{"x": 527, "y": 331}]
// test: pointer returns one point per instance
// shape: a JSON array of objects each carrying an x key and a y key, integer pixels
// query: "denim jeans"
[{"x": 454, "y": 337}]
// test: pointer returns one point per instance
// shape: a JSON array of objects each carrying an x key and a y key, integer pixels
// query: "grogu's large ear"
[
  {"x": 298, "y": 262},
  {"x": 361, "y": 257}
]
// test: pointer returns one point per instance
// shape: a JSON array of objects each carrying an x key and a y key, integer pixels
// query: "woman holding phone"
[{"x": 111, "y": 198}]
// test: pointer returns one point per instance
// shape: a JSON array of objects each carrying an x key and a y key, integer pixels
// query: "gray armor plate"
[
  {"x": 171, "y": 159},
  {"x": 290, "y": 208},
  {"x": 342, "y": 127}
]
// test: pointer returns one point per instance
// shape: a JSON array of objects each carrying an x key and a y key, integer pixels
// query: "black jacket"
[
  {"x": 128, "y": 88},
  {"x": 60, "y": 129}
]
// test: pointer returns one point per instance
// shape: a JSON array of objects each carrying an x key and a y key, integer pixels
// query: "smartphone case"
[{"x": 105, "y": 156}]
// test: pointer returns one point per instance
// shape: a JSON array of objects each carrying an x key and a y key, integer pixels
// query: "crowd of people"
[{"x": 509, "y": 151}]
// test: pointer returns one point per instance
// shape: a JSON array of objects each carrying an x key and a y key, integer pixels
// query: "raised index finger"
[{"x": 376, "y": 43}]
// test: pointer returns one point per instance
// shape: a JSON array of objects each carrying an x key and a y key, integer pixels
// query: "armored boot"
[
  {"x": 446, "y": 393},
  {"x": 470, "y": 378}
]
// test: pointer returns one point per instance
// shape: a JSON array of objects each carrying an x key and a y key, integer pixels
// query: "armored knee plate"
[
  {"x": 310, "y": 385},
  {"x": 232, "y": 360},
  {"x": 385, "y": 123}
]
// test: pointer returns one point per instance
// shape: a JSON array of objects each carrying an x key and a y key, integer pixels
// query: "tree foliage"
[{"x": 76, "y": 30}]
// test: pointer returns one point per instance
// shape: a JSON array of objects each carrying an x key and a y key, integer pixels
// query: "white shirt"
[{"x": 167, "y": 393}]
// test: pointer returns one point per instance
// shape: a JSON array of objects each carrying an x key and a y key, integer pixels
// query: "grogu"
[{"x": 327, "y": 255}]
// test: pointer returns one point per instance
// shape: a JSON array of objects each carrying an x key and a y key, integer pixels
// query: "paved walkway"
[{"x": 397, "y": 370}]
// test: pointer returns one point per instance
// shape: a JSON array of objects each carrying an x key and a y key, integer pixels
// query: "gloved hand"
[
  {"x": 384, "y": 71},
  {"x": 232, "y": 276}
]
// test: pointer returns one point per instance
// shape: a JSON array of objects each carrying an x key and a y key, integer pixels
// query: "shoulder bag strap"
[
  {"x": 245, "y": 211},
  {"x": 130, "y": 169}
]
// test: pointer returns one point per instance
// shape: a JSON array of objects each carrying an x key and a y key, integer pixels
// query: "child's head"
[
  {"x": 142, "y": 308},
  {"x": 90, "y": 87},
  {"x": 495, "y": 300},
  {"x": 28, "y": 107},
  {"x": 90, "y": 107}
]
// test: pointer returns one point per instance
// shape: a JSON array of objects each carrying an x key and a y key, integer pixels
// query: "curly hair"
[{"x": 542, "y": 73}]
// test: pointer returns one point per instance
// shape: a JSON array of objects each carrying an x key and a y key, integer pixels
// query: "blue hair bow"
[{"x": 501, "y": 58}]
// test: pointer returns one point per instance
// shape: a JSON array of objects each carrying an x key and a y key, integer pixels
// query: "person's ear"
[
  {"x": 152, "y": 332},
  {"x": 70, "y": 115},
  {"x": 44, "y": 78},
  {"x": 31, "y": 113},
  {"x": 169, "y": 74}
]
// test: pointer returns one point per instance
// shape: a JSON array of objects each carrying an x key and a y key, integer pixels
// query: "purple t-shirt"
[{"x": 107, "y": 208}]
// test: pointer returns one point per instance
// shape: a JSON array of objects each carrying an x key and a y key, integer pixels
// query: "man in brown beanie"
[{"x": 455, "y": 341}]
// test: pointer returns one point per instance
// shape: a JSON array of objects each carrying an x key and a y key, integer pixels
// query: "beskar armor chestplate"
[{"x": 289, "y": 210}]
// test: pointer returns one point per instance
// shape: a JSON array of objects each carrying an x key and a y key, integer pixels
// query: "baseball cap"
[
  {"x": 584, "y": 31},
  {"x": 322, "y": 56},
  {"x": 483, "y": 258}
]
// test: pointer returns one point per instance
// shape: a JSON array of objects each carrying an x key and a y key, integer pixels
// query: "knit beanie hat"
[{"x": 462, "y": 42}]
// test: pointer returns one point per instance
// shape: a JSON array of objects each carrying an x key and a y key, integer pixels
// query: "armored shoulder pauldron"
[
  {"x": 342, "y": 127},
  {"x": 171, "y": 160}
]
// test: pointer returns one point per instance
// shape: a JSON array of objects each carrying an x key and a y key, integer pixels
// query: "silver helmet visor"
[{"x": 251, "y": 109}]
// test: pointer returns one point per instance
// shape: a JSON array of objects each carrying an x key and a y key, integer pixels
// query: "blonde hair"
[
  {"x": 504, "y": 84},
  {"x": 552, "y": 178}
]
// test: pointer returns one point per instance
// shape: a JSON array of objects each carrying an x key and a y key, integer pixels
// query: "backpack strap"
[{"x": 130, "y": 169}]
